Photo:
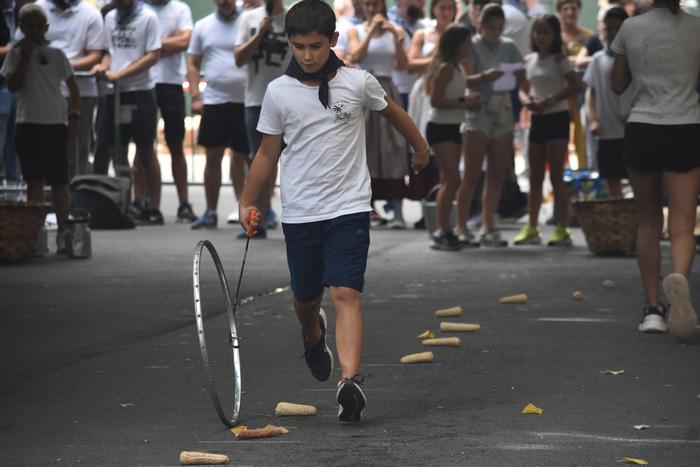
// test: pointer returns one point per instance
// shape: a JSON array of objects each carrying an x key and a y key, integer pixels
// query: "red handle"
[{"x": 252, "y": 214}]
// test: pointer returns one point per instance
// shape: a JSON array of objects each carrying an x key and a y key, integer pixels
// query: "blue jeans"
[{"x": 7, "y": 126}]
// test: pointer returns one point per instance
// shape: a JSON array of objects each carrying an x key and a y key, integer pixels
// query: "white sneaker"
[
  {"x": 397, "y": 224},
  {"x": 493, "y": 238},
  {"x": 233, "y": 218},
  {"x": 653, "y": 320},
  {"x": 466, "y": 238},
  {"x": 682, "y": 320}
]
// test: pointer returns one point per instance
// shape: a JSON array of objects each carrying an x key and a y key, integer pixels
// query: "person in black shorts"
[
  {"x": 551, "y": 82},
  {"x": 607, "y": 112},
  {"x": 175, "y": 25},
  {"x": 662, "y": 149},
  {"x": 445, "y": 84},
  {"x": 35, "y": 72},
  {"x": 133, "y": 47},
  {"x": 223, "y": 121}
]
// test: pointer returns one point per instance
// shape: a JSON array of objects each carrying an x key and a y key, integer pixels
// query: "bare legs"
[
  {"x": 147, "y": 176},
  {"x": 682, "y": 190},
  {"x": 647, "y": 195},
  {"x": 552, "y": 152},
  {"x": 349, "y": 332},
  {"x": 477, "y": 146},
  {"x": 447, "y": 155},
  {"x": 61, "y": 200}
]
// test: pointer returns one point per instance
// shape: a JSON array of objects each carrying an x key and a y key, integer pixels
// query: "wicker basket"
[
  {"x": 19, "y": 229},
  {"x": 610, "y": 225}
]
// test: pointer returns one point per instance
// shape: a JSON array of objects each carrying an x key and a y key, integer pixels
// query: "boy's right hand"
[
  {"x": 594, "y": 127},
  {"x": 250, "y": 219},
  {"x": 492, "y": 74}
]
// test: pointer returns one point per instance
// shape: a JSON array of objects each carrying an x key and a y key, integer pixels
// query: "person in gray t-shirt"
[{"x": 660, "y": 51}]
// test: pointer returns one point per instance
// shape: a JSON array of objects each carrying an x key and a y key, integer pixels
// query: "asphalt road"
[{"x": 101, "y": 363}]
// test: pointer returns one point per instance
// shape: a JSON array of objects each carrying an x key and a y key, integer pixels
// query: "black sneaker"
[
  {"x": 653, "y": 320},
  {"x": 446, "y": 241},
  {"x": 149, "y": 217},
  {"x": 351, "y": 399},
  {"x": 318, "y": 357},
  {"x": 185, "y": 214}
]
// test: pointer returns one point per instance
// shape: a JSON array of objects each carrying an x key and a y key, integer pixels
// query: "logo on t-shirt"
[
  {"x": 273, "y": 45},
  {"x": 124, "y": 37},
  {"x": 341, "y": 115}
]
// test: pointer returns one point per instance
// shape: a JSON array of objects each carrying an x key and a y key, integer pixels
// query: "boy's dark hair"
[
  {"x": 561, "y": 3},
  {"x": 491, "y": 12},
  {"x": 309, "y": 16},
  {"x": 555, "y": 25},
  {"x": 616, "y": 13}
]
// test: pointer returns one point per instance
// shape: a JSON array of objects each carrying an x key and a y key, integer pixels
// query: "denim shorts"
[{"x": 329, "y": 253}]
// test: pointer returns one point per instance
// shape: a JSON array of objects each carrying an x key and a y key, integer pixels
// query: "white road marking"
[
  {"x": 614, "y": 439},
  {"x": 579, "y": 320},
  {"x": 526, "y": 447},
  {"x": 257, "y": 441}
]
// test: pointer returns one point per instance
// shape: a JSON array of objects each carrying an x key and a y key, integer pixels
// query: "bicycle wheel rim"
[{"x": 234, "y": 341}]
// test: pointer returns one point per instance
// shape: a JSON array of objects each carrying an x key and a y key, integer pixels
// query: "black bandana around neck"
[
  {"x": 125, "y": 16},
  {"x": 332, "y": 64}
]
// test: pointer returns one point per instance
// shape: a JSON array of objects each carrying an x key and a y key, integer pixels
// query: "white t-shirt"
[
  {"x": 40, "y": 99},
  {"x": 381, "y": 53},
  {"x": 323, "y": 169},
  {"x": 131, "y": 41},
  {"x": 548, "y": 77},
  {"x": 342, "y": 26},
  {"x": 214, "y": 40},
  {"x": 273, "y": 54},
  {"x": 74, "y": 31},
  {"x": 663, "y": 54},
  {"x": 404, "y": 79},
  {"x": 611, "y": 109},
  {"x": 172, "y": 16},
  {"x": 517, "y": 28}
]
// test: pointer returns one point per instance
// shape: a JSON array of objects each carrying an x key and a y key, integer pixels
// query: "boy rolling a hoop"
[{"x": 317, "y": 108}]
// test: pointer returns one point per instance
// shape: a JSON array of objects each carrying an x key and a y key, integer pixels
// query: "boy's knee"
[{"x": 345, "y": 294}]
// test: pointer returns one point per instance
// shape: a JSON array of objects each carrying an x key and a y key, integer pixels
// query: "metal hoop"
[{"x": 233, "y": 335}]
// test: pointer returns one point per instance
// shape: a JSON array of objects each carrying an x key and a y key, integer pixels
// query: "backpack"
[{"x": 106, "y": 198}]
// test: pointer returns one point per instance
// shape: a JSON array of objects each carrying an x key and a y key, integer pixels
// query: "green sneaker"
[
  {"x": 560, "y": 237},
  {"x": 528, "y": 236}
]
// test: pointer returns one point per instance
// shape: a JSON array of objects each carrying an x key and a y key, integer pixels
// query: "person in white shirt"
[
  {"x": 262, "y": 47},
  {"x": 133, "y": 48},
  {"x": 606, "y": 111},
  {"x": 660, "y": 52},
  {"x": 377, "y": 46},
  {"x": 175, "y": 21},
  {"x": 551, "y": 80},
  {"x": 76, "y": 27},
  {"x": 223, "y": 121},
  {"x": 36, "y": 72},
  {"x": 318, "y": 108}
]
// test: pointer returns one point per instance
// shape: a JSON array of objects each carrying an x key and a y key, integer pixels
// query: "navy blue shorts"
[{"x": 330, "y": 253}]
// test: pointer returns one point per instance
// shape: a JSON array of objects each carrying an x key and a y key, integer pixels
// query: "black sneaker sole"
[
  {"x": 352, "y": 402},
  {"x": 323, "y": 377}
]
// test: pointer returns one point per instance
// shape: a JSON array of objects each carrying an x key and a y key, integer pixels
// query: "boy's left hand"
[{"x": 419, "y": 160}]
